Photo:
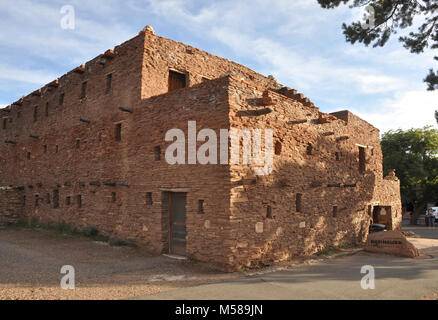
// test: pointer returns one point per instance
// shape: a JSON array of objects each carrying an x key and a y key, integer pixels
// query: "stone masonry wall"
[{"x": 11, "y": 206}]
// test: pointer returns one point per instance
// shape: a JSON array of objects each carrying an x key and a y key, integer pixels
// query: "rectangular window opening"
[
  {"x": 35, "y": 113},
  {"x": 118, "y": 135},
  {"x": 61, "y": 99},
  {"x": 157, "y": 151},
  {"x": 201, "y": 206},
  {"x": 67, "y": 200},
  {"x": 4, "y": 123},
  {"x": 149, "y": 198},
  {"x": 47, "y": 109},
  {"x": 109, "y": 84},
  {"x": 298, "y": 204},
  {"x": 56, "y": 198},
  {"x": 269, "y": 212},
  {"x": 335, "y": 211},
  {"x": 177, "y": 80},
  {"x": 84, "y": 90},
  {"x": 79, "y": 200},
  {"x": 45, "y": 148},
  {"x": 113, "y": 197}
]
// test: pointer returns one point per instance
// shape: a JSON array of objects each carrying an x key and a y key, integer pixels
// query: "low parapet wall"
[{"x": 11, "y": 206}]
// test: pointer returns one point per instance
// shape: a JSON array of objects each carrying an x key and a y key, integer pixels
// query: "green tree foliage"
[
  {"x": 414, "y": 156},
  {"x": 391, "y": 16}
]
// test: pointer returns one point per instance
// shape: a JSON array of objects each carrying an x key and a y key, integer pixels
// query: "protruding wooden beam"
[
  {"x": 297, "y": 121},
  {"x": 342, "y": 138},
  {"x": 80, "y": 69},
  {"x": 10, "y": 142},
  {"x": 85, "y": 120},
  {"x": 34, "y": 136},
  {"x": 259, "y": 112},
  {"x": 126, "y": 109},
  {"x": 109, "y": 54}
]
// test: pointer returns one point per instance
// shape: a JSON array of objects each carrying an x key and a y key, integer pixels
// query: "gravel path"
[{"x": 31, "y": 260}]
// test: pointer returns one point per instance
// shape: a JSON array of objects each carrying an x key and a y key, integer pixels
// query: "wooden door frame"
[{"x": 171, "y": 215}]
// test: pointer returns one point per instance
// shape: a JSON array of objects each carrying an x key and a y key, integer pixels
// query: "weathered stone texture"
[{"x": 74, "y": 150}]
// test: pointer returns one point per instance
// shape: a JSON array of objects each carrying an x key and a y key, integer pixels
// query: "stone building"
[{"x": 89, "y": 149}]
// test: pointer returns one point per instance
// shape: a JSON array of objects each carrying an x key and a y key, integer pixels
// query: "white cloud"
[
  {"x": 33, "y": 76},
  {"x": 409, "y": 109}
]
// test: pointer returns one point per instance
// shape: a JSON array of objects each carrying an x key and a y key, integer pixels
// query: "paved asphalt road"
[{"x": 396, "y": 278}]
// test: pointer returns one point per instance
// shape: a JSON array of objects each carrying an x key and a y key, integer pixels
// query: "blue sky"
[{"x": 298, "y": 42}]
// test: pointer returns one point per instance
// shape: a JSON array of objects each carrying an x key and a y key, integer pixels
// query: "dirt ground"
[{"x": 31, "y": 261}]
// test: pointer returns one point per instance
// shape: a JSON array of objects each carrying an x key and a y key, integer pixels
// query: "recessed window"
[
  {"x": 113, "y": 197},
  {"x": 67, "y": 200},
  {"x": 78, "y": 143},
  {"x": 4, "y": 123},
  {"x": 28, "y": 155},
  {"x": 337, "y": 156},
  {"x": 56, "y": 149},
  {"x": 24, "y": 200},
  {"x": 45, "y": 148},
  {"x": 47, "y": 109},
  {"x": 48, "y": 198},
  {"x": 79, "y": 200},
  {"x": 56, "y": 198},
  {"x": 277, "y": 148},
  {"x": 109, "y": 83},
  {"x": 61, "y": 99},
  {"x": 118, "y": 134},
  {"x": 201, "y": 206},
  {"x": 298, "y": 202},
  {"x": 269, "y": 212},
  {"x": 36, "y": 200},
  {"x": 335, "y": 211},
  {"x": 84, "y": 90},
  {"x": 177, "y": 80},
  {"x": 149, "y": 198},
  {"x": 35, "y": 113},
  {"x": 157, "y": 151}
]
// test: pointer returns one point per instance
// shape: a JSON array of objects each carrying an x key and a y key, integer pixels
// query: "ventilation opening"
[
  {"x": 61, "y": 99},
  {"x": 47, "y": 109},
  {"x": 118, "y": 132},
  {"x": 48, "y": 198},
  {"x": 362, "y": 159},
  {"x": 56, "y": 149},
  {"x": 55, "y": 198},
  {"x": 201, "y": 206},
  {"x": 113, "y": 197},
  {"x": 278, "y": 148},
  {"x": 337, "y": 155},
  {"x": 157, "y": 151},
  {"x": 45, "y": 148},
  {"x": 335, "y": 211},
  {"x": 309, "y": 149},
  {"x": 36, "y": 200},
  {"x": 79, "y": 200},
  {"x": 109, "y": 83},
  {"x": 84, "y": 90},
  {"x": 68, "y": 201},
  {"x": 24, "y": 200},
  {"x": 28, "y": 156},
  {"x": 35, "y": 113},
  {"x": 177, "y": 80},
  {"x": 269, "y": 212},
  {"x": 149, "y": 198},
  {"x": 298, "y": 204},
  {"x": 4, "y": 124}
]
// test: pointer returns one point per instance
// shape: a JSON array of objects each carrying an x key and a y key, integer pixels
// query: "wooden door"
[{"x": 177, "y": 234}]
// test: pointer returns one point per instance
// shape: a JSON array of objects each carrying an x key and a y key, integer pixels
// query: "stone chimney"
[{"x": 149, "y": 28}]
